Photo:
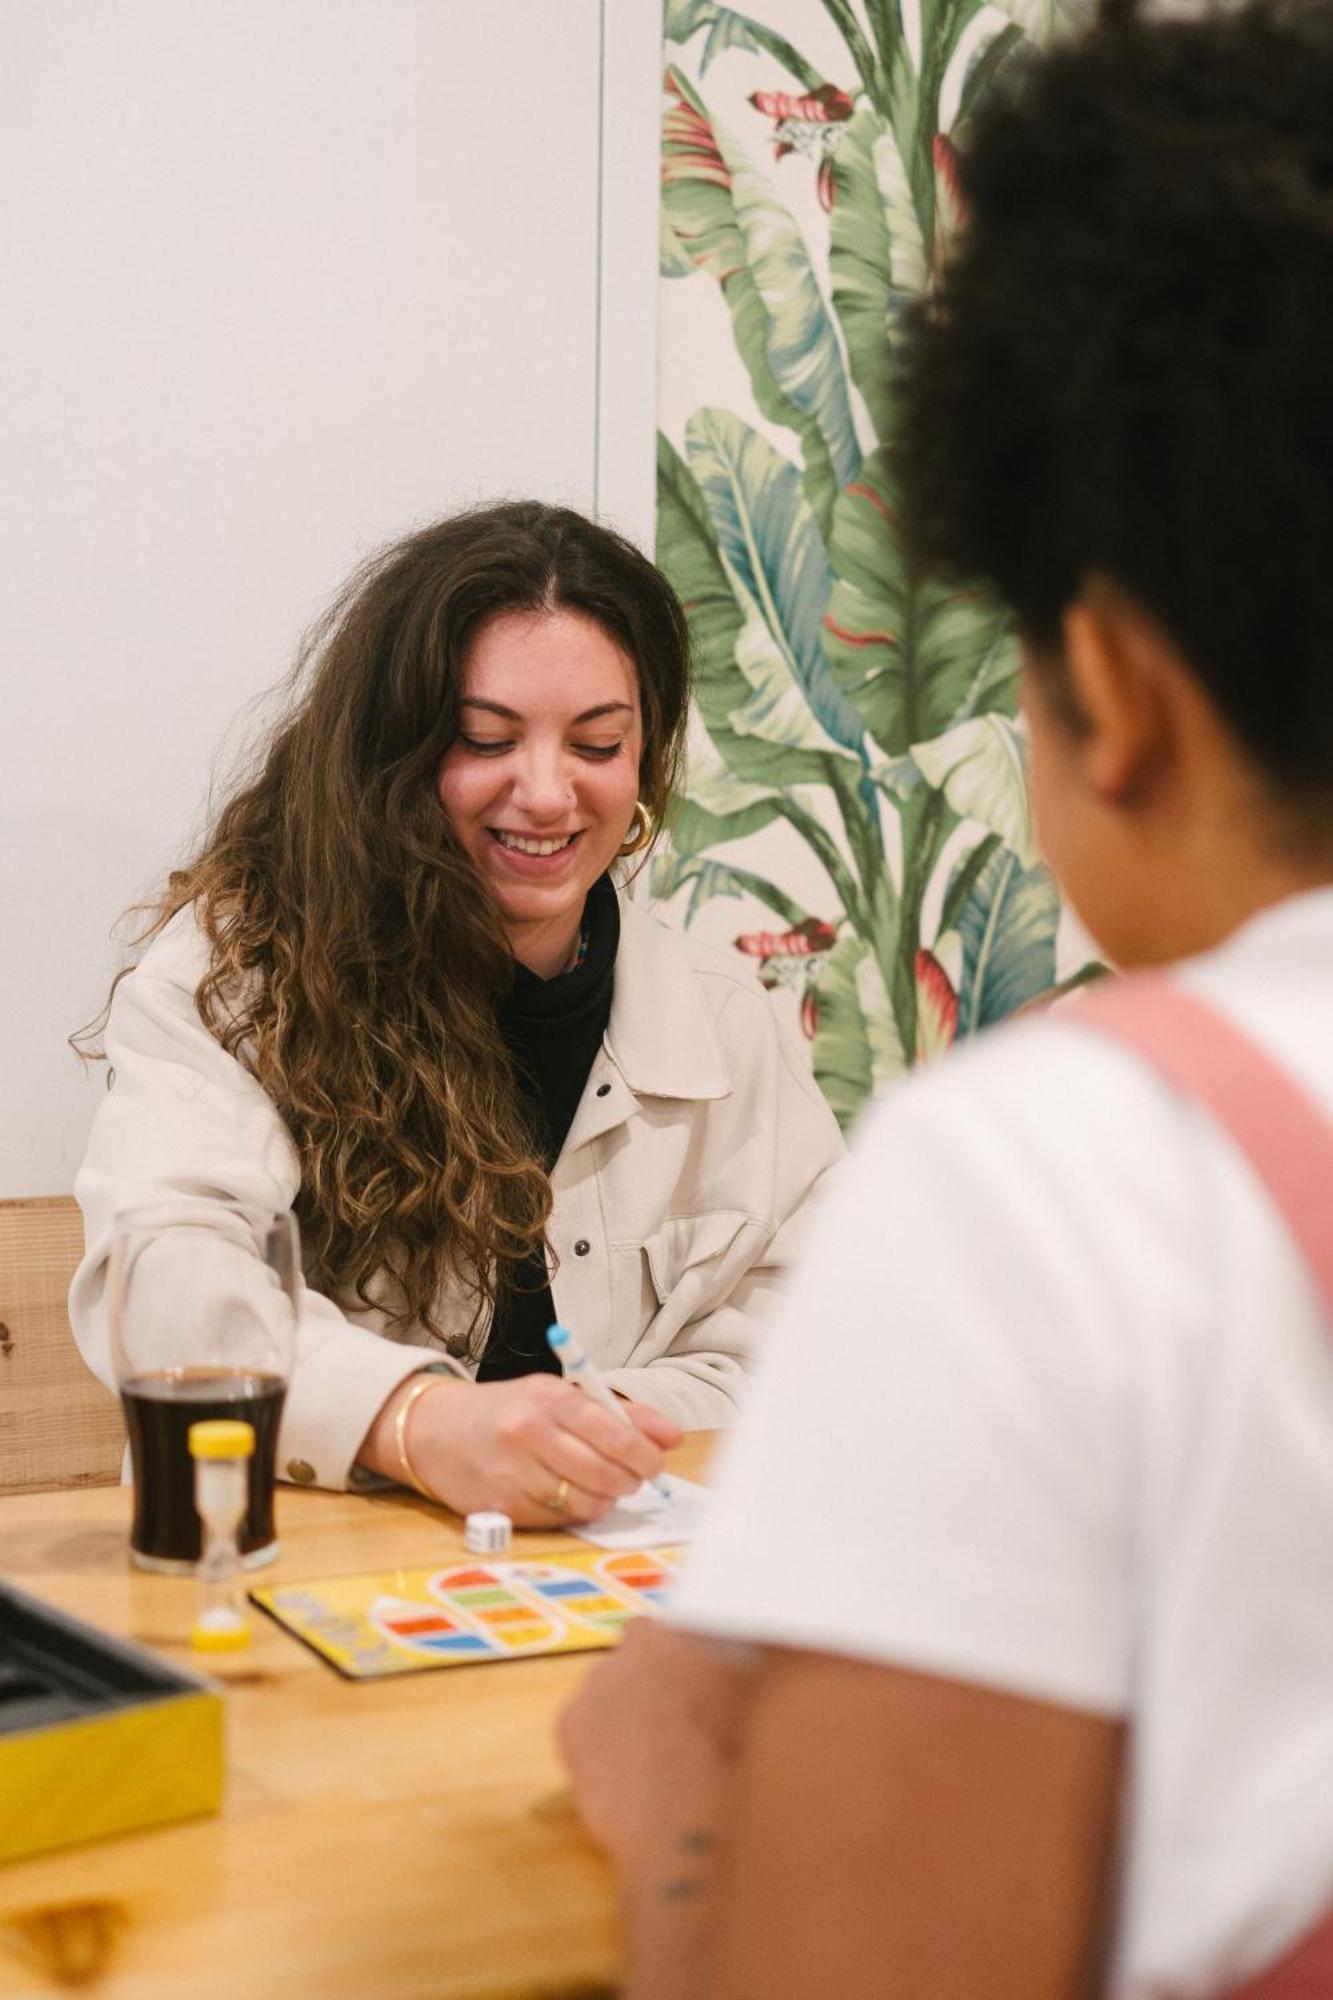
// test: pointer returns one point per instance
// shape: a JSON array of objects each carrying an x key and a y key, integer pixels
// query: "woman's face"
[{"x": 540, "y": 783}]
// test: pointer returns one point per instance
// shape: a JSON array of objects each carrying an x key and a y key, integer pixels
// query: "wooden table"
[{"x": 378, "y": 1840}]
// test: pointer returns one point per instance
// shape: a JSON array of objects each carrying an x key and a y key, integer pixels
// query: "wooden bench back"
[{"x": 58, "y": 1425}]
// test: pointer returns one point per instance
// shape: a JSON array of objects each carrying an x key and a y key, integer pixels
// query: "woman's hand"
[{"x": 536, "y": 1448}]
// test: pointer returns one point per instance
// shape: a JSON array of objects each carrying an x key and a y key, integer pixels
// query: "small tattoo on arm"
[
  {"x": 682, "y": 1888},
  {"x": 694, "y": 1841}
]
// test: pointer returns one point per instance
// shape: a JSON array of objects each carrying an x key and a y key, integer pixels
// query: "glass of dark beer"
[{"x": 202, "y": 1302}]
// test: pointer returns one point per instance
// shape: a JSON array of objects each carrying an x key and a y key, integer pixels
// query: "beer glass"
[{"x": 202, "y": 1305}]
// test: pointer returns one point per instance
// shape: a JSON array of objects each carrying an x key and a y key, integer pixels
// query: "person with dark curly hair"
[
  {"x": 1036, "y": 1692},
  {"x": 399, "y": 991}
]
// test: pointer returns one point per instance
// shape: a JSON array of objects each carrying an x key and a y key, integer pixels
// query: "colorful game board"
[{"x": 471, "y": 1612}]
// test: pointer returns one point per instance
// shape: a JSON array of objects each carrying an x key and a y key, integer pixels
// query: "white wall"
[{"x": 282, "y": 279}]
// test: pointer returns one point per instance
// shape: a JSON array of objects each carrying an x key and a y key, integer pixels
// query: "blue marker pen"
[{"x": 579, "y": 1369}]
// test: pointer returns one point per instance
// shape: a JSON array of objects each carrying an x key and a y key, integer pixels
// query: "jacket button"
[
  {"x": 603, "y": 1090},
  {"x": 300, "y": 1472},
  {"x": 582, "y": 1247}
]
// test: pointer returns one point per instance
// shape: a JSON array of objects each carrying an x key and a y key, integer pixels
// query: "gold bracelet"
[{"x": 400, "y": 1417}]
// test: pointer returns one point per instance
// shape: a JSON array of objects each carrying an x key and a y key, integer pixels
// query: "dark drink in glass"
[
  {"x": 159, "y": 1409},
  {"x": 201, "y": 1308}
]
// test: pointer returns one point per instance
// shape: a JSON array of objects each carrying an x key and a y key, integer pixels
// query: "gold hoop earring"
[{"x": 640, "y": 833}]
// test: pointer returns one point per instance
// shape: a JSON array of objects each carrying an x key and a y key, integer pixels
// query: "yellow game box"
[{"x": 96, "y": 1736}]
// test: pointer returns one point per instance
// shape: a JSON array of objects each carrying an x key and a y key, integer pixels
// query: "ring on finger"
[{"x": 559, "y": 1500}]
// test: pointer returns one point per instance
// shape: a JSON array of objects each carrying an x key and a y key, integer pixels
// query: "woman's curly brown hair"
[{"x": 356, "y": 955}]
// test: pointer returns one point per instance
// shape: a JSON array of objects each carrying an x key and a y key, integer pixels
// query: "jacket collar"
[{"x": 661, "y": 1035}]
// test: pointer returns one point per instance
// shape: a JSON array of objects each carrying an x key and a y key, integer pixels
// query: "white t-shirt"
[{"x": 1058, "y": 1393}]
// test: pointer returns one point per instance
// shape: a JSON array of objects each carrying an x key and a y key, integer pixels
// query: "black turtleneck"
[{"x": 552, "y": 1029}]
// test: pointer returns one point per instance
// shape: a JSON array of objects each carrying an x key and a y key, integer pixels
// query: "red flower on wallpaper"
[
  {"x": 811, "y": 936},
  {"x": 936, "y": 1007},
  {"x": 807, "y": 123},
  {"x": 785, "y": 959}
]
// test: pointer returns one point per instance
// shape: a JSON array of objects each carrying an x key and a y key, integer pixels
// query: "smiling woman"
[
  {"x": 398, "y": 990},
  {"x": 543, "y": 787}
]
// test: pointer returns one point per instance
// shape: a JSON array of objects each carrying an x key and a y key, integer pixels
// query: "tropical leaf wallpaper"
[{"x": 855, "y": 816}]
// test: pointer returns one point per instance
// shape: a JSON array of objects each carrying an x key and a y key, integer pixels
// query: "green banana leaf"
[
  {"x": 669, "y": 873},
  {"x": 687, "y": 551},
  {"x": 1039, "y": 18},
  {"x": 856, "y": 1040},
  {"x": 713, "y": 806},
  {"x": 859, "y": 266},
  {"x": 724, "y": 212},
  {"x": 994, "y": 687},
  {"x": 823, "y": 658},
  {"x": 694, "y": 827},
  {"x": 886, "y": 27},
  {"x": 673, "y": 259},
  {"x": 730, "y": 29},
  {"x": 1008, "y": 925},
  {"x": 979, "y": 59},
  {"x": 858, "y": 48},
  {"x": 877, "y": 256},
  {"x": 949, "y": 31},
  {"x": 909, "y": 255},
  {"x": 961, "y": 874},
  {"x": 711, "y": 785},
  {"x": 911, "y": 657},
  {"x": 867, "y": 626},
  {"x": 775, "y": 560},
  {"x": 981, "y": 767},
  {"x": 966, "y": 662}
]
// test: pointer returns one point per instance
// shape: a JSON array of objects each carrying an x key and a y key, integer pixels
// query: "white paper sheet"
[{"x": 644, "y": 1520}]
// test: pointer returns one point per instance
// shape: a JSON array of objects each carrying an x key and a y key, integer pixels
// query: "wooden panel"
[{"x": 58, "y": 1425}]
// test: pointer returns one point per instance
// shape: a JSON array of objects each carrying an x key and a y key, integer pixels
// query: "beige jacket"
[{"x": 698, "y": 1139}]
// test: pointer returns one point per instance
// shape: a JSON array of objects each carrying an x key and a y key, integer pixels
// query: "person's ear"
[{"x": 1115, "y": 659}]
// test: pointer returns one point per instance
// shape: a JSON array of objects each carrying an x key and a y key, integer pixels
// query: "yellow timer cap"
[
  {"x": 222, "y": 1437},
  {"x": 219, "y": 1638}
]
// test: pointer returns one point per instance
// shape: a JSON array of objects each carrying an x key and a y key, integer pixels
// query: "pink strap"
[
  {"x": 1304, "y": 1974},
  {"x": 1289, "y": 1143},
  {"x": 1287, "y": 1139}
]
